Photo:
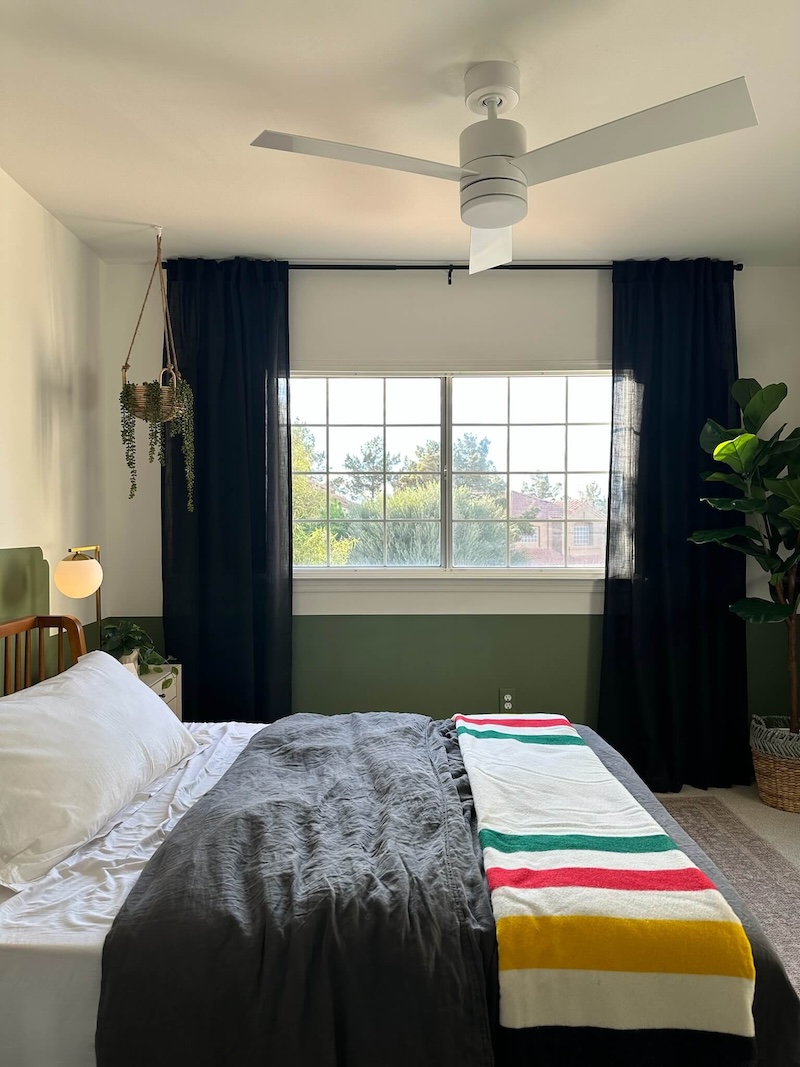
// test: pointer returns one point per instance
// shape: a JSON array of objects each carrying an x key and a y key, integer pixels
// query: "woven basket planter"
[
  {"x": 170, "y": 406},
  {"x": 776, "y": 758}
]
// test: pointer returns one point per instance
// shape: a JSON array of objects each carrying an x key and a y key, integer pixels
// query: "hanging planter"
[{"x": 165, "y": 404}]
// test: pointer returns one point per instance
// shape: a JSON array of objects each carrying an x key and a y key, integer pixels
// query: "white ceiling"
[{"x": 119, "y": 114}]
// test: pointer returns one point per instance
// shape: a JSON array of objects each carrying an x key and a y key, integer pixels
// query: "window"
[
  {"x": 525, "y": 486},
  {"x": 581, "y": 535},
  {"x": 532, "y": 537}
]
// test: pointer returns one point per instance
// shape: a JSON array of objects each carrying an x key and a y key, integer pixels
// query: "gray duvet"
[
  {"x": 325, "y": 904},
  {"x": 321, "y": 905}
]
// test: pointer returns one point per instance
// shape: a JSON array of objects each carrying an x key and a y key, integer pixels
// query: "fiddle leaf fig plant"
[{"x": 765, "y": 472}]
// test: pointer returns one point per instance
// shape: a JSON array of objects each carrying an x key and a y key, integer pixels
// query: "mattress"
[{"x": 52, "y": 933}]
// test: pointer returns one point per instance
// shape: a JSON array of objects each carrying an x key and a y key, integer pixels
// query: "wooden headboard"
[{"x": 16, "y": 648}]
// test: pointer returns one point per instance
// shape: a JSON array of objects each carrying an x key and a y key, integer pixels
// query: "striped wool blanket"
[{"x": 602, "y": 922}]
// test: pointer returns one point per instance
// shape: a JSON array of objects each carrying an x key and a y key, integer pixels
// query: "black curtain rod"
[{"x": 451, "y": 267}]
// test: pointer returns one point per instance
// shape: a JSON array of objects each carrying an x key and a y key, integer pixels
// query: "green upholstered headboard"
[{"x": 24, "y": 583}]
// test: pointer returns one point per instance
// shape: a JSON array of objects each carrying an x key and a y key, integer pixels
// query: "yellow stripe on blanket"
[{"x": 601, "y": 943}]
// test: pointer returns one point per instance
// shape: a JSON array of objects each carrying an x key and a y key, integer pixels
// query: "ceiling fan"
[{"x": 496, "y": 169}]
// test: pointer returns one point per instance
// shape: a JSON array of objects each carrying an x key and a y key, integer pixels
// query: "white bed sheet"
[{"x": 52, "y": 933}]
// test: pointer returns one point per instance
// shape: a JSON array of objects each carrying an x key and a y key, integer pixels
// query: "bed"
[{"x": 53, "y": 930}]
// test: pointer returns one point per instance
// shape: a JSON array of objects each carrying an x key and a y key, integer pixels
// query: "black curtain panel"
[
  {"x": 673, "y": 691},
  {"x": 227, "y": 566}
]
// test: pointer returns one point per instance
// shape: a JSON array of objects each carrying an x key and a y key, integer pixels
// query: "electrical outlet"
[{"x": 507, "y": 699}]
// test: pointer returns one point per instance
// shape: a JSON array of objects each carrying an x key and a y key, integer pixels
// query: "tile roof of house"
[{"x": 553, "y": 509}]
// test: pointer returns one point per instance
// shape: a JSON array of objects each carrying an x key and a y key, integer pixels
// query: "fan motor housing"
[{"x": 497, "y": 194}]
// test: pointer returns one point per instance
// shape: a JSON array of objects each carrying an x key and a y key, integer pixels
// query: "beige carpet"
[
  {"x": 780, "y": 828},
  {"x": 762, "y": 875}
]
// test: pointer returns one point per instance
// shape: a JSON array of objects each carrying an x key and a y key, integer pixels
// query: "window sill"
[{"x": 436, "y": 592}]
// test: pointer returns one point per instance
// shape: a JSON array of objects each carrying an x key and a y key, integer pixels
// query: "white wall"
[
  {"x": 66, "y": 320},
  {"x": 132, "y": 584},
  {"x": 768, "y": 332},
  {"x": 51, "y": 420}
]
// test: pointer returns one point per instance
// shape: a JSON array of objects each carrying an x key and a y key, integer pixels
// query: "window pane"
[
  {"x": 366, "y": 544},
  {"x": 480, "y": 400},
  {"x": 590, "y": 398},
  {"x": 537, "y": 448},
  {"x": 537, "y": 544},
  {"x": 588, "y": 495},
  {"x": 411, "y": 448},
  {"x": 358, "y": 496},
  {"x": 529, "y": 463},
  {"x": 480, "y": 448},
  {"x": 307, "y": 400},
  {"x": 414, "y": 496},
  {"x": 356, "y": 448},
  {"x": 538, "y": 496},
  {"x": 541, "y": 399},
  {"x": 586, "y": 544},
  {"x": 355, "y": 400},
  {"x": 309, "y": 544},
  {"x": 413, "y": 544},
  {"x": 308, "y": 448},
  {"x": 479, "y": 496},
  {"x": 309, "y": 496},
  {"x": 413, "y": 400},
  {"x": 588, "y": 448},
  {"x": 480, "y": 544}
]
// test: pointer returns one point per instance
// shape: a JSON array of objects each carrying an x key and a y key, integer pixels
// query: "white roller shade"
[{"x": 398, "y": 322}]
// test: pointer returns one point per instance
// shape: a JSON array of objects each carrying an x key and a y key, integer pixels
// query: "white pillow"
[{"x": 74, "y": 750}]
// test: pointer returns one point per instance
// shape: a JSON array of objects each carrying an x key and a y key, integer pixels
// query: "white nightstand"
[{"x": 166, "y": 683}]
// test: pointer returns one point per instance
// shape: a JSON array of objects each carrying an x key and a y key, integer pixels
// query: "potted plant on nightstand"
[
  {"x": 765, "y": 474},
  {"x": 129, "y": 643}
]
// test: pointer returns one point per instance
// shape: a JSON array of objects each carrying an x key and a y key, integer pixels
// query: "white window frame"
[{"x": 446, "y": 590}]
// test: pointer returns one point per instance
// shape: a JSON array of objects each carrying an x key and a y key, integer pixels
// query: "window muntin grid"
[{"x": 528, "y": 466}]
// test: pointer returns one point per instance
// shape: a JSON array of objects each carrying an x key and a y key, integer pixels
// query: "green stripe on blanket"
[
  {"x": 557, "y": 842},
  {"x": 529, "y": 739}
]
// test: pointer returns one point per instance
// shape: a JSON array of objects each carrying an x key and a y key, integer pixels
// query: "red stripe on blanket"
[
  {"x": 485, "y": 720},
  {"x": 685, "y": 878}
]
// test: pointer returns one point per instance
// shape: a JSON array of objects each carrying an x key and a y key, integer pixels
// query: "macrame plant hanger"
[
  {"x": 169, "y": 406},
  {"x": 167, "y": 399}
]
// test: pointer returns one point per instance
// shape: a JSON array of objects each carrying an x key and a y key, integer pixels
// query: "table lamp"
[{"x": 79, "y": 575}]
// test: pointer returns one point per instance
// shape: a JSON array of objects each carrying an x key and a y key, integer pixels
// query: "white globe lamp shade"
[{"x": 78, "y": 576}]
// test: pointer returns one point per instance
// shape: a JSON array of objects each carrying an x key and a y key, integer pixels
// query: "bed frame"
[{"x": 17, "y": 641}]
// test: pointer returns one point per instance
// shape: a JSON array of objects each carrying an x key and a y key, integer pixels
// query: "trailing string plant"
[
  {"x": 166, "y": 401},
  {"x": 765, "y": 475}
]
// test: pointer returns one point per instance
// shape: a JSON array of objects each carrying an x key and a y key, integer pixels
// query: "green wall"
[
  {"x": 442, "y": 664},
  {"x": 24, "y": 583},
  {"x": 433, "y": 664},
  {"x": 767, "y": 675}
]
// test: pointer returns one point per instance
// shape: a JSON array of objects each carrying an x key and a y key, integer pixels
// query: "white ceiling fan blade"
[
  {"x": 489, "y": 248},
  {"x": 312, "y": 146},
  {"x": 719, "y": 109}
]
